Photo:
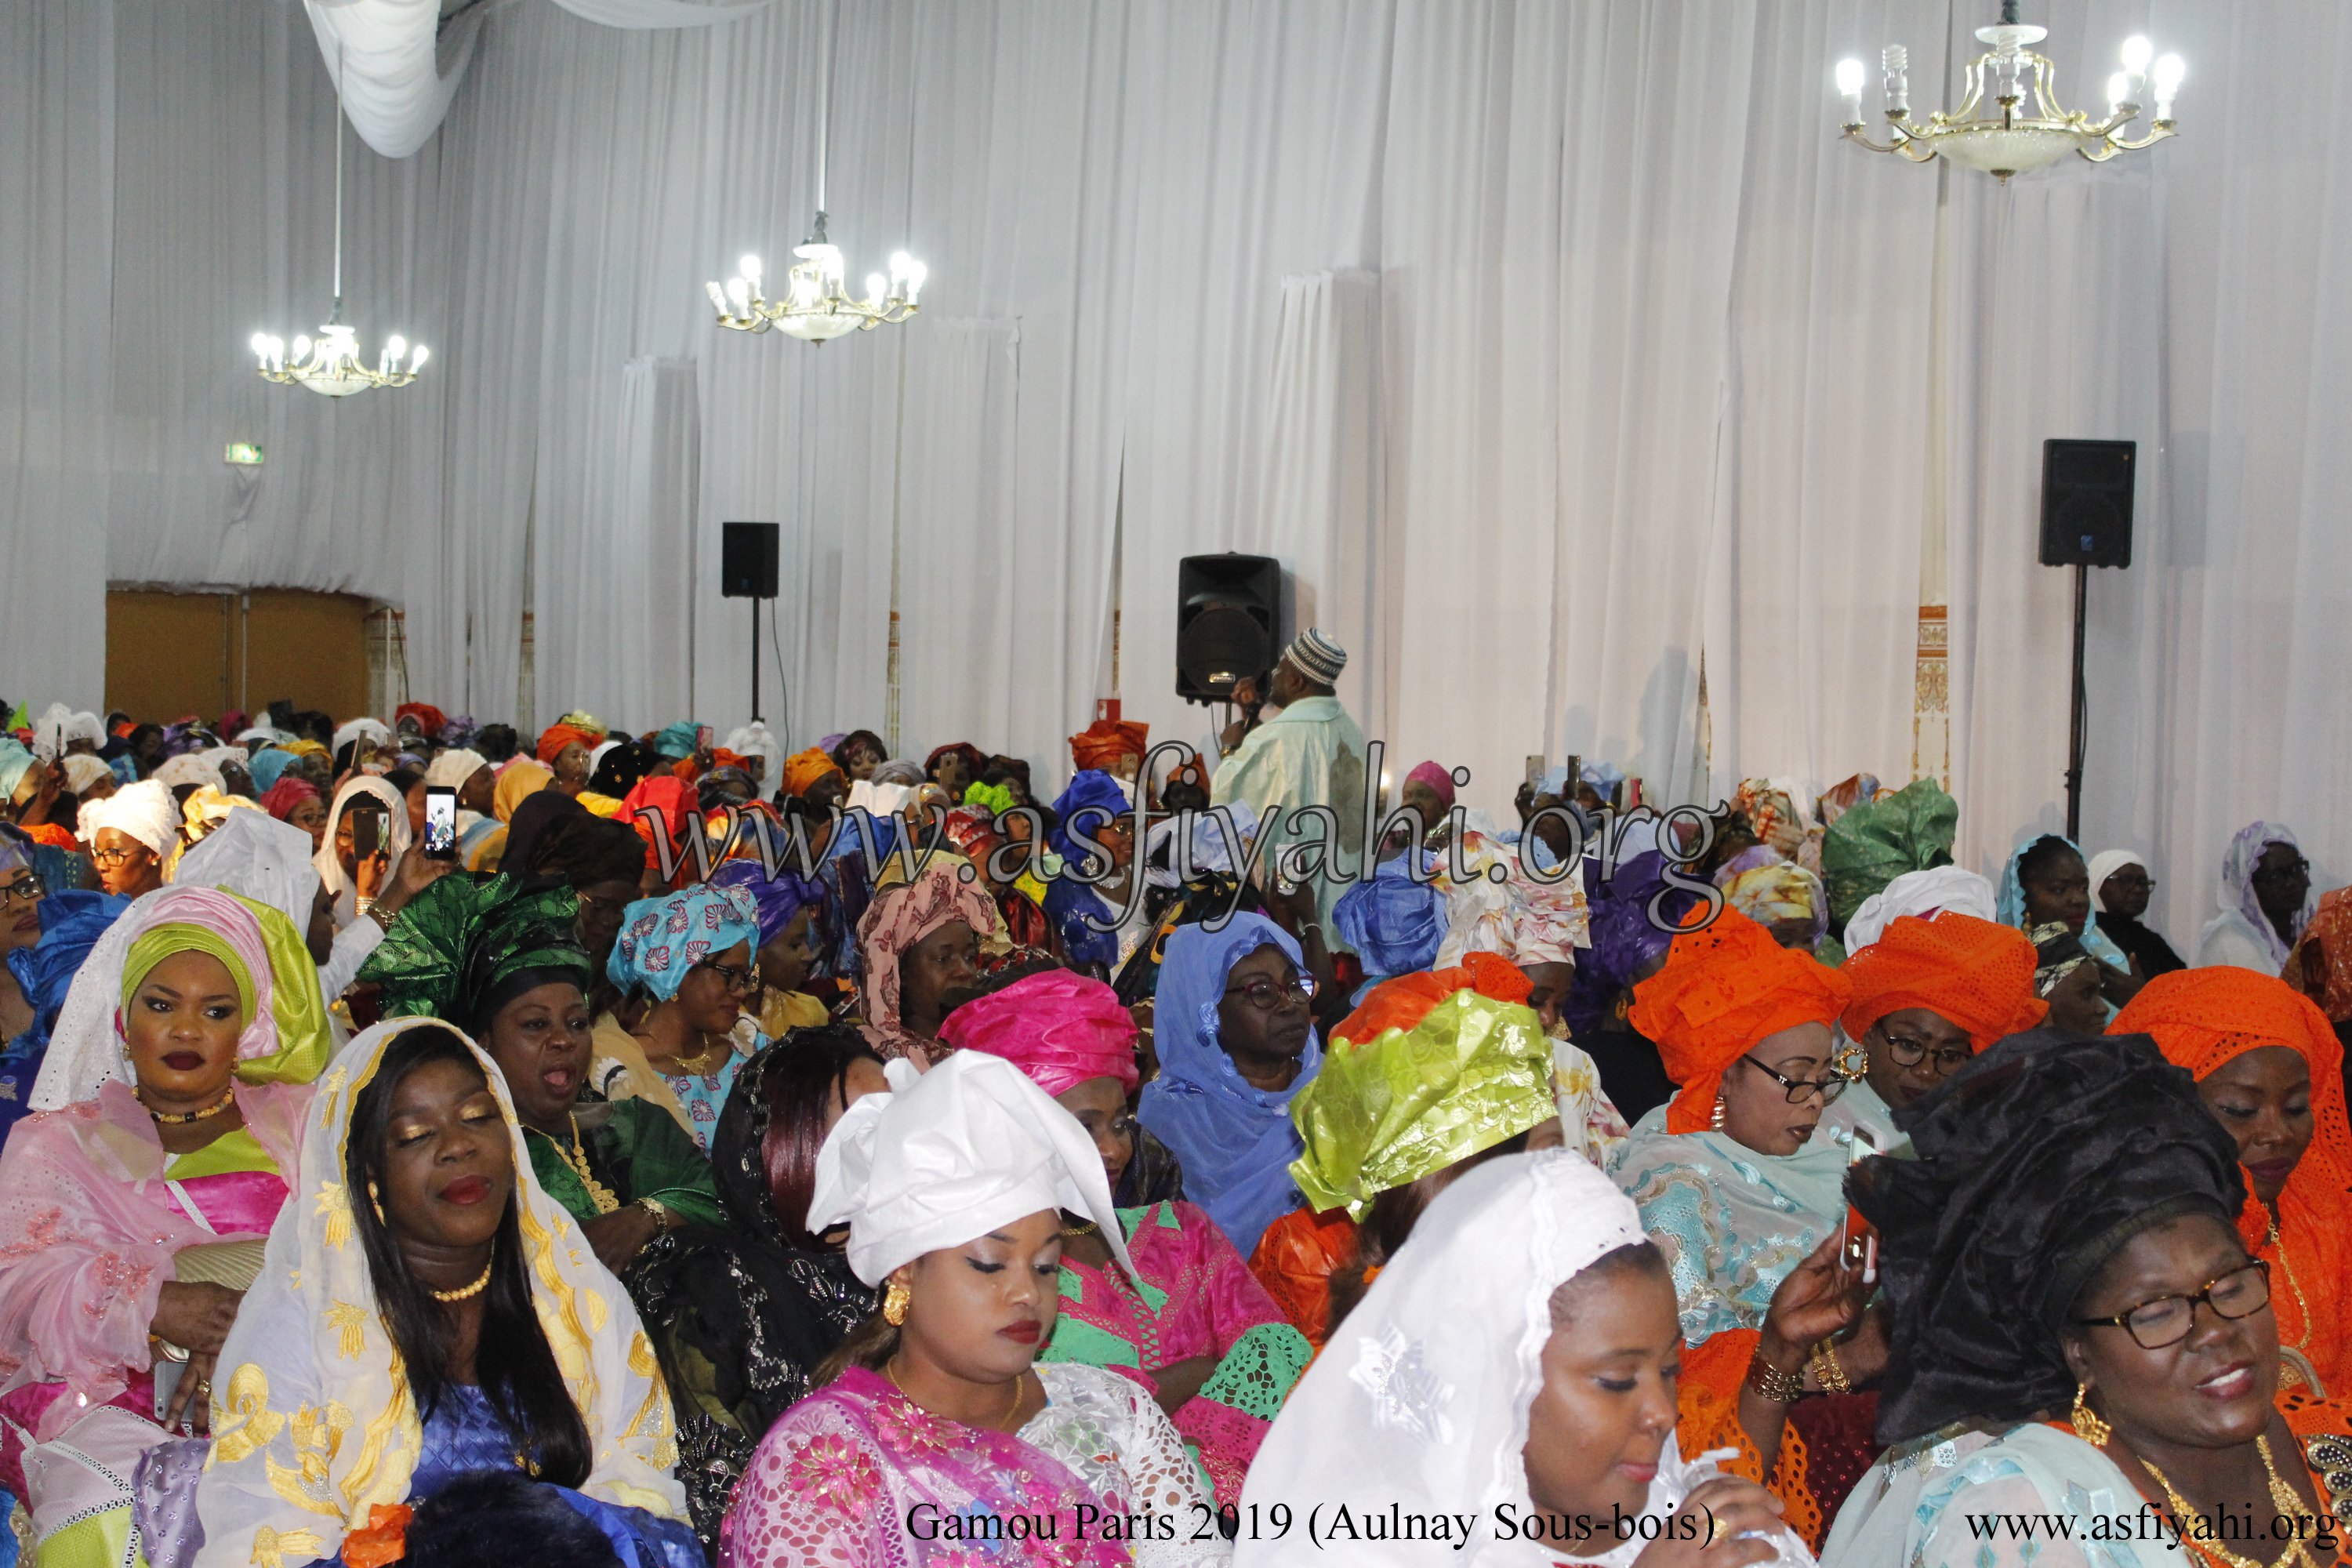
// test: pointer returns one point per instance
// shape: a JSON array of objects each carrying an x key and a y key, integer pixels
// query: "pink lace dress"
[{"x": 1198, "y": 1299}]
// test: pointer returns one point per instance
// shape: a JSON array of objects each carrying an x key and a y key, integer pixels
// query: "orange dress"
[
  {"x": 1295, "y": 1260},
  {"x": 2308, "y": 1254}
]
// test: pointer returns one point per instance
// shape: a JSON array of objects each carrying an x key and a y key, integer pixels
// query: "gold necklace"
[
  {"x": 577, "y": 1158},
  {"x": 2283, "y": 1499},
  {"x": 476, "y": 1287},
  {"x": 889, "y": 1370},
  {"x": 182, "y": 1117},
  {"x": 1084, "y": 1227},
  {"x": 2278, "y": 1246}
]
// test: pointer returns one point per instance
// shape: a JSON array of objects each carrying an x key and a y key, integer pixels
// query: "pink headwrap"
[
  {"x": 1059, "y": 1028},
  {"x": 899, "y": 917},
  {"x": 1440, "y": 780}
]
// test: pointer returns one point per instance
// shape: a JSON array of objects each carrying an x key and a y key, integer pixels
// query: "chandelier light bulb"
[
  {"x": 2168, "y": 72},
  {"x": 260, "y": 343},
  {"x": 395, "y": 346},
  {"x": 2119, "y": 90},
  {"x": 417, "y": 357},
  {"x": 813, "y": 301},
  {"x": 875, "y": 284},
  {"x": 718, "y": 296},
  {"x": 301, "y": 346},
  {"x": 2137, "y": 52},
  {"x": 740, "y": 292},
  {"x": 1848, "y": 78},
  {"x": 916, "y": 273},
  {"x": 749, "y": 266}
]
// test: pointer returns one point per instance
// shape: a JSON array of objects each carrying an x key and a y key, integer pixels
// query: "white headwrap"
[
  {"x": 187, "y": 768},
  {"x": 396, "y": 837},
  {"x": 946, "y": 1156},
  {"x": 450, "y": 770},
  {"x": 144, "y": 810},
  {"x": 59, "y": 726},
  {"x": 756, "y": 740},
  {"x": 266, "y": 735},
  {"x": 83, "y": 770},
  {"x": 1420, "y": 1399},
  {"x": 253, "y": 853},
  {"x": 374, "y": 728},
  {"x": 1923, "y": 893},
  {"x": 287, "y": 1479},
  {"x": 881, "y": 799},
  {"x": 2106, "y": 864}
]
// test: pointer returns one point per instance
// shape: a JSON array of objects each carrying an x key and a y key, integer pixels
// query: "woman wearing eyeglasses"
[
  {"x": 20, "y": 927},
  {"x": 2264, "y": 895},
  {"x": 1234, "y": 1033},
  {"x": 1927, "y": 995},
  {"x": 1192, "y": 1325},
  {"x": 689, "y": 960},
  {"x": 2083, "y": 1347}
]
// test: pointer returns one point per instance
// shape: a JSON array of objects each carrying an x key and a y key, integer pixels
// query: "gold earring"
[
  {"x": 1850, "y": 1062},
  {"x": 1715, "y": 1118},
  {"x": 894, "y": 1303},
  {"x": 2087, "y": 1425},
  {"x": 376, "y": 1203}
]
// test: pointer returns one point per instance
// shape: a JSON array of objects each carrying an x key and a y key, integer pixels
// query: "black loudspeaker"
[
  {"x": 748, "y": 560},
  {"x": 1228, "y": 621},
  {"x": 2086, "y": 502}
]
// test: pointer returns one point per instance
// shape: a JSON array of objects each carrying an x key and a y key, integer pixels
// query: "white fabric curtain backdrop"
[{"x": 1561, "y": 352}]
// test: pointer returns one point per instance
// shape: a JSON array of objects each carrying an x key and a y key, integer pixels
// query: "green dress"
[{"x": 635, "y": 1150}]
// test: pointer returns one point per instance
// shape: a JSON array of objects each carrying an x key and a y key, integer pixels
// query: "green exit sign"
[{"x": 244, "y": 454}]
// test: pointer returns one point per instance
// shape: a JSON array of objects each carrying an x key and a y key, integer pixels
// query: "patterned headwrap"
[
  {"x": 805, "y": 769},
  {"x": 468, "y": 945},
  {"x": 1059, "y": 1028},
  {"x": 1101, "y": 744},
  {"x": 285, "y": 1482},
  {"x": 2322, "y": 964},
  {"x": 1873, "y": 842},
  {"x": 1770, "y": 806},
  {"x": 1767, "y": 889},
  {"x": 663, "y": 938},
  {"x": 902, "y": 916},
  {"x": 2236, "y": 892},
  {"x": 1430, "y": 1069},
  {"x": 2058, "y": 953},
  {"x": 1624, "y": 938},
  {"x": 1978, "y": 975},
  {"x": 778, "y": 898},
  {"x": 1393, "y": 922},
  {"x": 2202, "y": 1018},
  {"x": 1723, "y": 989}
]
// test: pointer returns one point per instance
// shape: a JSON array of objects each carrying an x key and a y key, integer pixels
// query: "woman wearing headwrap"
[
  {"x": 132, "y": 836},
  {"x": 858, "y": 753},
  {"x": 1236, "y": 1040},
  {"x": 1433, "y": 1073},
  {"x": 66, "y": 923},
  {"x": 203, "y": 811},
  {"x": 1193, "y": 1327},
  {"x": 2269, "y": 1067},
  {"x": 2081, "y": 1336},
  {"x": 921, "y": 942},
  {"x": 1940, "y": 889},
  {"x": 87, "y": 778},
  {"x": 1927, "y": 995},
  {"x": 438, "y": 1303},
  {"x": 505, "y": 961},
  {"x": 1390, "y": 922},
  {"x": 295, "y": 801},
  {"x": 1872, "y": 842},
  {"x": 691, "y": 960},
  {"x": 131, "y": 1206},
  {"x": 2120, "y": 888},
  {"x": 1634, "y": 918},
  {"x": 482, "y": 845},
  {"x": 1510, "y": 1373},
  {"x": 22, "y": 892},
  {"x": 1110, "y": 745},
  {"x": 1020, "y": 901},
  {"x": 349, "y": 876},
  {"x": 269, "y": 764},
  {"x": 1097, "y": 934},
  {"x": 955, "y": 767},
  {"x": 788, "y": 905},
  {"x": 954, "y": 1185},
  {"x": 2264, "y": 894},
  {"x": 753, "y": 1313},
  {"x": 2321, "y": 965},
  {"x": 2046, "y": 883},
  {"x": 2066, "y": 977},
  {"x": 1777, "y": 894},
  {"x": 563, "y": 747},
  {"x": 803, "y": 770}
]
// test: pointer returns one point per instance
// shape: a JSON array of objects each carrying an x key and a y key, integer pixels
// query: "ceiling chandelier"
[
  {"x": 1993, "y": 129},
  {"x": 330, "y": 363},
  {"x": 817, "y": 305}
]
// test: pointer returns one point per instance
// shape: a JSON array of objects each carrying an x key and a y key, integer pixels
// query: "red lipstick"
[
  {"x": 1025, "y": 1332},
  {"x": 466, "y": 1191}
]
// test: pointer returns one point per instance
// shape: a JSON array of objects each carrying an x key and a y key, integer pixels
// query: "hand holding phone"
[{"x": 440, "y": 823}]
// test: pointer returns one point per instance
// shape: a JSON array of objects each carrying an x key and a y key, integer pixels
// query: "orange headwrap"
[
  {"x": 555, "y": 737},
  {"x": 1723, "y": 989},
  {"x": 1103, "y": 742},
  {"x": 2201, "y": 1018},
  {"x": 1403, "y": 1003},
  {"x": 430, "y": 721},
  {"x": 803, "y": 769},
  {"x": 1976, "y": 974}
]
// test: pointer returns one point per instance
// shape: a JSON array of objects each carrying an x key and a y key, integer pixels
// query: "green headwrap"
[
  {"x": 1407, "y": 1102},
  {"x": 996, "y": 798},
  {"x": 156, "y": 944},
  {"x": 458, "y": 945},
  {"x": 1876, "y": 842},
  {"x": 297, "y": 1011}
]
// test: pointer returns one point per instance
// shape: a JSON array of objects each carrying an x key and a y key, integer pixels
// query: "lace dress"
[{"x": 1112, "y": 1435}]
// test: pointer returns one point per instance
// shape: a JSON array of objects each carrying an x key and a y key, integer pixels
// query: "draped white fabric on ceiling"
[{"x": 1560, "y": 351}]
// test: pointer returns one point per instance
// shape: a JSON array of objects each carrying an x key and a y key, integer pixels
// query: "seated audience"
[
  {"x": 688, "y": 960},
  {"x": 2264, "y": 895},
  {"x": 2046, "y": 883},
  {"x": 921, "y": 944},
  {"x": 2120, "y": 889},
  {"x": 132, "y": 837}
]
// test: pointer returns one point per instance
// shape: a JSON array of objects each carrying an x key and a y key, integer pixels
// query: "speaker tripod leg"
[
  {"x": 755, "y": 658},
  {"x": 2078, "y": 726}
]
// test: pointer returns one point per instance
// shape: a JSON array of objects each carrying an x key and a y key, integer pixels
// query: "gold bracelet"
[
  {"x": 1828, "y": 1370},
  {"x": 1776, "y": 1386}
]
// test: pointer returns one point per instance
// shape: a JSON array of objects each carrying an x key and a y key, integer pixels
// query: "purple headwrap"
[
  {"x": 1624, "y": 938},
  {"x": 780, "y": 896}
]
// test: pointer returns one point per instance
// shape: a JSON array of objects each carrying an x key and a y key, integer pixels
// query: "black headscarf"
[
  {"x": 624, "y": 767},
  {"x": 2036, "y": 1163}
]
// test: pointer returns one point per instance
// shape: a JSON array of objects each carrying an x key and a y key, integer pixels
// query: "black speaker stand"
[
  {"x": 756, "y": 716},
  {"x": 2078, "y": 727}
]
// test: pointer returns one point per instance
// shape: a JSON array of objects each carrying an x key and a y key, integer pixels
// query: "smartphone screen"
[
  {"x": 1535, "y": 769},
  {"x": 367, "y": 832},
  {"x": 440, "y": 822}
]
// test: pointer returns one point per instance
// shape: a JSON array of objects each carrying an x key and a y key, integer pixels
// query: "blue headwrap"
[
  {"x": 1236, "y": 1142},
  {"x": 125, "y": 767},
  {"x": 779, "y": 897},
  {"x": 663, "y": 938},
  {"x": 267, "y": 764},
  {"x": 1096, "y": 794},
  {"x": 677, "y": 741},
  {"x": 14, "y": 763},
  {"x": 71, "y": 923},
  {"x": 1395, "y": 923}
]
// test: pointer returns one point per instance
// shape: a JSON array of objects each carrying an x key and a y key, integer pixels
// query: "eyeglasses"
[
  {"x": 1910, "y": 1052},
  {"x": 116, "y": 857},
  {"x": 2166, "y": 1321},
  {"x": 1266, "y": 996},
  {"x": 598, "y": 902},
  {"x": 1117, "y": 1127},
  {"x": 2298, "y": 866},
  {"x": 26, "y": 888},
  {"x": 2131, "y": 877},
  {"x": 745, "y": 979},
  {"x": 1801, "y": 1090}
]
